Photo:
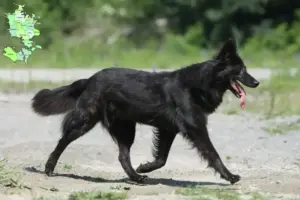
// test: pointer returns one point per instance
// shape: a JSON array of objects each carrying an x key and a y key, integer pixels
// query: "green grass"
[
  {"x": 203, "y": 193},
  {"x": 231, "y": 111},
  {"x": 10, "y": 177},
  {"x": 91, "y": 195},
  {"x": 174, "y": 53},
  {"x": 282, "y": 128},
  {"x": 132, "y": 58},
  {"x": 98, "y": 195},
  {"x": 94, "y": 54},
  {"x": 297, "y": 163},
  {"x": 228, "y": 158},
  {"x": 5, "y": 173},
  {"x": 68, "y": 167}
]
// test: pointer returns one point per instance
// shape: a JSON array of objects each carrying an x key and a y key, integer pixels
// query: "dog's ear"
[{"x": 229, "y": 48}]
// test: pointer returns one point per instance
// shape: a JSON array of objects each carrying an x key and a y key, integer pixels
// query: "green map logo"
[{"x": 22, "y": 27}]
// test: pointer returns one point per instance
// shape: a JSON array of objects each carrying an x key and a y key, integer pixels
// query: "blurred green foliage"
[{"x": 133, "y": 33}]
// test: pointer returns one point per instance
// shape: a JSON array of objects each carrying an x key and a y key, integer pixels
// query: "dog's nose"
[{"x": 255, "y": 83}]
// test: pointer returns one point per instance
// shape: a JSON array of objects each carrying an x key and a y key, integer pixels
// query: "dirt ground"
[{"x": 266, "y": 163}]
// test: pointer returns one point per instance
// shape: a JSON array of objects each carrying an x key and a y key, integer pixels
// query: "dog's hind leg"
[
  {"x": 123, "y": 132},
  {"x": 76, "y": 123},
  {"x": 162, "y": 144}
]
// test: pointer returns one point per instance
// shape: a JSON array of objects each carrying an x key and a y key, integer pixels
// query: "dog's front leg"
[
  {"x": 191, "y": 122},
  {"x": 201, "y": 141},
  {"x": 192, "y": 125}
]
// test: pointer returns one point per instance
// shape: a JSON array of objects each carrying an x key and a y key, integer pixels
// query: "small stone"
[
  {"x": 126, "y": 188},
  {"x": 54, "y": 189}
]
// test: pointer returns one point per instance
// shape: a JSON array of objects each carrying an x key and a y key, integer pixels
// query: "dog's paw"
[
  {"x": 143, "y": 168},
  {"x": 232, "y": 178},
  {"x": 140, "y": 179},
  {"x": 49, "y": 168}
]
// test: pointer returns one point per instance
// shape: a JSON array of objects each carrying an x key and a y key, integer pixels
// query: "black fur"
[
  {"x": 59, "y": 100},
  {"x": 172, "y": 102}
]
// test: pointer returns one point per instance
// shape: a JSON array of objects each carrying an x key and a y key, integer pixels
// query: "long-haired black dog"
[{"x": 172, "y": 102}]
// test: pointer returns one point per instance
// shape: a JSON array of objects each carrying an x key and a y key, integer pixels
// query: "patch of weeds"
[
  {"x": 10, "y": 177},
  {"x": 54, "y": 189},
  {"x": 11, "y": 180},
  {"x": 98, "y": 195},
  {"x": 257, "y": 196},
  {"x": 228, "y": 158},
  {"x": 282, "y": 128},
  {"x": 231, "y": 111},
  {"x": 117, "y": 187},
  {"x": 68, "y": 167},
  {"x": 297, "y": 163},
  {"x": 202, "y": 193}
]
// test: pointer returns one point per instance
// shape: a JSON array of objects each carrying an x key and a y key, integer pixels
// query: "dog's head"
[{"x": 232, "y": 70}]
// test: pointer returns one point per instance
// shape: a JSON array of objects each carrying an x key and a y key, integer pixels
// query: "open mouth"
[{"x": 238, "y": 91}]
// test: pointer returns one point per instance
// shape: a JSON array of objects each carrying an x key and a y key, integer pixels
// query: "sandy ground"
[{"x": 266, "y": 163}]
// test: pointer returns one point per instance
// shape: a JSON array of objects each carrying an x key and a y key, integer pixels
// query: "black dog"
[{"x": 172, "y": 102}]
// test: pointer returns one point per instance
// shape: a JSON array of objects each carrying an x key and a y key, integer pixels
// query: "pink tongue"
[
  {"x": 238, "y": 88},
  {"x": 243, "y": 100}
]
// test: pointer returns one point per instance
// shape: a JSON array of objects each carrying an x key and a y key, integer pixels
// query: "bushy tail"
[{"x": 59, "y": 100}]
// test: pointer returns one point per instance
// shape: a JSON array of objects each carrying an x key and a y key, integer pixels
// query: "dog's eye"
[{"x": 241, "y": 71}]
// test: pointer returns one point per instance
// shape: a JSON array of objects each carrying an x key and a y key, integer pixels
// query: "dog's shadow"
[{"x": 150, "y": 181}]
